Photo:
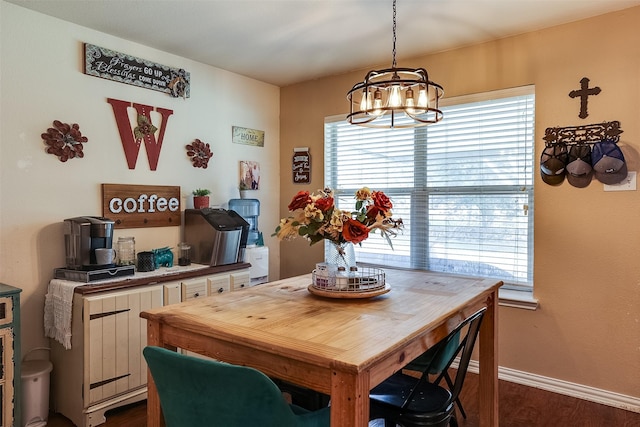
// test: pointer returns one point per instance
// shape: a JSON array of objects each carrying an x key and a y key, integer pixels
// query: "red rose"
[
  {"x": 300, "y": 200},
  {"x": 354, "y": 231},
  {"x": 381, "y": 201},
  {"x": 324, "y": 203},
  {"x": 372, "y": 212}
]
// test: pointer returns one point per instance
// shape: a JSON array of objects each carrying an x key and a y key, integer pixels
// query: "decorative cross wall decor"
[{"x": 584, "y": 93}]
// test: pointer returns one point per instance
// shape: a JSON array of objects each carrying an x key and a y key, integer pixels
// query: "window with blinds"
[{"x": 463, "y": 187}]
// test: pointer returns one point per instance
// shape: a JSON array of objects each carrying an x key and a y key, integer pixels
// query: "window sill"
[{"x": 517, "y": 299}]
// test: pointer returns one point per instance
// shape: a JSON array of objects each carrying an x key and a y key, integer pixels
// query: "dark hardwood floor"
[{"x": 520, "y": 406}]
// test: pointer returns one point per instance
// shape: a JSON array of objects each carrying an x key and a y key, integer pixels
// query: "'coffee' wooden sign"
[{"x": 139, "y": 206}]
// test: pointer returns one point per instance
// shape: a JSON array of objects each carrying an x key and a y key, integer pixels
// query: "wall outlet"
[{"x": 627, "y": 184}]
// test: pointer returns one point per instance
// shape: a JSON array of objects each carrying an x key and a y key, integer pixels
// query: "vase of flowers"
[
  {"x": 340, "y": 255},
  {"x": 315, "y": 217}
]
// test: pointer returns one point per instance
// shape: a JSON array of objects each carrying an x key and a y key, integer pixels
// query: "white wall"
[{"x": 42, "y": 80}]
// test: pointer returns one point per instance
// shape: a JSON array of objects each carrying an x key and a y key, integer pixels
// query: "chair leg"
[
  {"x": 464, "y": 415},
  {"x": 447, "y": 378}
]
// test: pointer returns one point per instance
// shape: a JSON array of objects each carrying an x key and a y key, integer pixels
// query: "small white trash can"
[{"x": 35, "y": 392}]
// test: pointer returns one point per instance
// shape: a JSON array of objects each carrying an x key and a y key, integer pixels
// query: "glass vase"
[{"x": 339, "y": 255}]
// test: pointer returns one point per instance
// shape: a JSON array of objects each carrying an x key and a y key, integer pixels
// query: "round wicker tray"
[
  {"x": 328, "y": 293},
  {"x": 365, "y": 282}
]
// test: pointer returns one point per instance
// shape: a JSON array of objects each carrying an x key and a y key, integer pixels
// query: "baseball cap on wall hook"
[{"x": 568, "y": 153}]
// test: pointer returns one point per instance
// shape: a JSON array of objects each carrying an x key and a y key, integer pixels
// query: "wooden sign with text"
[
  {"x": 301, "y": 165},
  {"x": 123, "y": 68},
  {"x": 247, "y": 136},
  {"x": 141, "y": 206}
]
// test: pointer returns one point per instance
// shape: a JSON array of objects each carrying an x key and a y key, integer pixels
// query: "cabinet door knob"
[
  {"x": 220, "y": 290},
  {"x": 196, "y": 295}
]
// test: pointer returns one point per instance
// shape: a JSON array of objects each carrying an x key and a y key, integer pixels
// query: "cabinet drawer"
[
  {"x": 194, "y": 288},
  {"x": 172, "y": 293},
  {"x": 240, "y": 280},
  {"x": 219, "y": 283}
]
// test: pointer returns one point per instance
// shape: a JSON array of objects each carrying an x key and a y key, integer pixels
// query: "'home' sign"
[{"x": 135, "y": 206}]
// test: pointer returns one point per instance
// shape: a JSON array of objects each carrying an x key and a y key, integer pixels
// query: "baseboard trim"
[{"x": 592, "y": 394}]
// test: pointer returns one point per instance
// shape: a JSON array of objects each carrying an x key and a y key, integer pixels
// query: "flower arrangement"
[{"x": 316, "y": 218}]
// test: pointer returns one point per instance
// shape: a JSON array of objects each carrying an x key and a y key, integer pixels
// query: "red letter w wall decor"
[{"x": 145, "y": 130}]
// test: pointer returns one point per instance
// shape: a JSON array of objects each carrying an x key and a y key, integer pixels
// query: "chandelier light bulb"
[
  {"x": 423, "y": 101},
  {"x": 395, "y": 99},
  {"x": 409, "y": 102},
  {"x": 377, "y": 102},
  {"x": 365, "y": 103}
]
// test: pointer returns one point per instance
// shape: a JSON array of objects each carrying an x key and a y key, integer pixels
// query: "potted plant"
[{"x": 201, "y": 198}]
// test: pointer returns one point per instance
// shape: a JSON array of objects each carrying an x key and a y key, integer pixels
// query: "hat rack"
[{"x": 586, "y": 134}]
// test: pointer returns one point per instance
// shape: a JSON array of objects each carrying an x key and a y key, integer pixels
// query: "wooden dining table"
[{"x": 342, "y": 347}]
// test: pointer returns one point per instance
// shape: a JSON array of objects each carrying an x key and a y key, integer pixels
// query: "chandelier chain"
[
  {"x": 394, "y": 35},
  {"x": 395, "y": 97}
]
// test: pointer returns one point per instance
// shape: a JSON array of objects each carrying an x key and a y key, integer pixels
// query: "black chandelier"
[{"x": 395, "y": 97}]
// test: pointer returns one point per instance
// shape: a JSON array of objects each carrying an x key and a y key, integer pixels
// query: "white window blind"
[{"x": 463, "y": 187}]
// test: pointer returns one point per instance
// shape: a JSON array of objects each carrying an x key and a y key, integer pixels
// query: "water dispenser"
[
  {"x": 256, "y": 253},
  {"x": 249, "y": 209}
]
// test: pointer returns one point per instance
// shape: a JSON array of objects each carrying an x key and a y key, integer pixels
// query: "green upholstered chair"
[
  {"x": 415, "y": 402},
  {"x": 197, "y": 392}
]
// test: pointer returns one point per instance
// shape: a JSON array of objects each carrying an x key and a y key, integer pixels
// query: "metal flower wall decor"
[
  {"x": 200, "y": 153},
  {"x": 144, "y": 128},
  {"x": 64, "y": 140}
]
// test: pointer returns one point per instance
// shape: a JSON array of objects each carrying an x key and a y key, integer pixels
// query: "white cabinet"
[
  {"x": 115, "y": 336},
  {"x": 258, "y": 257},
  {"x": 104, "y": 368}
]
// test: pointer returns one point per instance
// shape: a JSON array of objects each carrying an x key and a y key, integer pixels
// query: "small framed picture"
[{"x": 249, "y": 175}]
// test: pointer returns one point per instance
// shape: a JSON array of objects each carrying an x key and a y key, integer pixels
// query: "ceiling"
[{"x": 289, "y": 41}]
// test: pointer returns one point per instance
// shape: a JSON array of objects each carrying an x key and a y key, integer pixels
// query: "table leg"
[
  {"x": 154, "y": 412},
  {"x": 350, "y": 399},
  {"x": 488, "y": 359}
]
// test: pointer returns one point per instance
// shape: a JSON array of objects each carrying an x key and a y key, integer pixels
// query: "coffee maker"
[{"x": 82, "y": 236}]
